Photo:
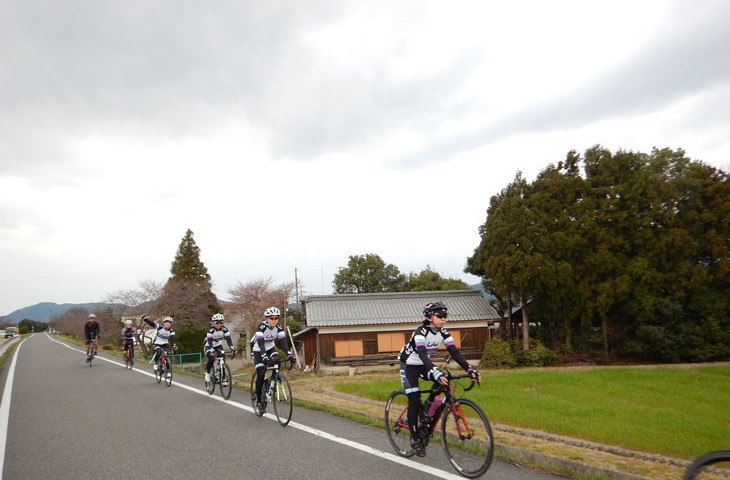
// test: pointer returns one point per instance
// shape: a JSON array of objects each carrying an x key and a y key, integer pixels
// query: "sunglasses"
[
  {"x": 441, "y": 315},
  {"x": 217, "y": 321}
]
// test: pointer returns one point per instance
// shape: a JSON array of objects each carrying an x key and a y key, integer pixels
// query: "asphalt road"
[{"x": 69, "y": 421}]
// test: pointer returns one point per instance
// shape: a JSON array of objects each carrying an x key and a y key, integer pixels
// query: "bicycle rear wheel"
[
  {"x": 226, "y": 381},
  {"x": 712, "y": 465},
  {"x": 168, "y": 373},
  {"x": 467, "y": 438},
  {"x": 283, "y": 401},
  {"x": 396, "y": 423}
]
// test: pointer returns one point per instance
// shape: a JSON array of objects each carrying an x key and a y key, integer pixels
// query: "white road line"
[
  {"x": 313, "y": 431},
  {"x": 5, "y": 408}
]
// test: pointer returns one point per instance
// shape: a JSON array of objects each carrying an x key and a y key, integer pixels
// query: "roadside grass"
[{"x": 672, "y": 410}]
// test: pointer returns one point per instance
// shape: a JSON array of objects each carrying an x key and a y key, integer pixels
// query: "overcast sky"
[{"x": 290, "y": 135}]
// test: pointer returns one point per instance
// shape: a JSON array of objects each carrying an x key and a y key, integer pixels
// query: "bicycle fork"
[{"x": 462, "y": 427}]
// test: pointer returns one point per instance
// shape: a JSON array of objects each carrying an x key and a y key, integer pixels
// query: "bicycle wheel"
[
  {"x": 226, "y": 381},
  {"x": 253, "y": 395},
  {"x": 467, "y": 438},
  {"x": 168, "y": 373},
  {"x": 283, "y": 401},
  {"x": 158, "y": 372},
  {"x": 712, "y": 465},
  {"x": 396, "y": 423},
  {"x": 210, "y": 384}
]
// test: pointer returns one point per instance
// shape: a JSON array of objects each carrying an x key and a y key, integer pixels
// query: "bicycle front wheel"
[
  {"x": 168, "y": 374},
  {"x": 283, "y": 401},
  {"x": 467, "y": 438},
  {"x": 396, "y": 423},
  {"x": 210, "y": 384},
  {"x": 253, "y": 395},
  {"x": 158, "y": 373},
  {"x": 712, "y": 465},
  {"x": 226, "y": 381}
]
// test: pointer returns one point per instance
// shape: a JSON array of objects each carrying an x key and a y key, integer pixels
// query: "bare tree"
[
  {"x": 134, "y": 304},
  {"x": 252, "y": 298},
  {"x": 139, "y": 301}
]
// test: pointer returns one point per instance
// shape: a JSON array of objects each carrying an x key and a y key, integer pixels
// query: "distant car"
[{"x": 10, "y": 332}]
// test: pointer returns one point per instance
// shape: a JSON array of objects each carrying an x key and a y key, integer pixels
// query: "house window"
[
  {"x": 390, "y": 342},
  {"x": 348, "y": 348},
  {"x": 456, "y": 335}
]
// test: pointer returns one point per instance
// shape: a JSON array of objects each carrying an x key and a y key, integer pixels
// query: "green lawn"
[{"x": 678, "y": 411}]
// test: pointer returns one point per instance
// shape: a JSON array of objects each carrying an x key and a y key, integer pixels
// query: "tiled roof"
[{"x": 390, "y": 308}]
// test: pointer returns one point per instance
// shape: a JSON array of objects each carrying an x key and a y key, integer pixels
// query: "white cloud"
[{"x": 292, "y": 136}]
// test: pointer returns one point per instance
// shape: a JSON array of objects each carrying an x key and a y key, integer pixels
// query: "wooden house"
[{"x": 370, "y": 328}]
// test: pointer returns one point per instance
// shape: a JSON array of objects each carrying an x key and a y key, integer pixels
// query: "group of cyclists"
[
  {"x": 414, "y": 357},
  {"x": 267, "y": 336}
]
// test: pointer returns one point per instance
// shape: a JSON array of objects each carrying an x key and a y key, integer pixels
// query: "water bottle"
[{"x": 434, "y": 406}]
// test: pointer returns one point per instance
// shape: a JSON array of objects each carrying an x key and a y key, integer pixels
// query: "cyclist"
[
  {"x": 214, "y": 342},
  {"x": 164, "y": 337},
  {"x": 128, "y": 333},
  {"x": 92, "y": 333},
  {"x": 415, "y": 363},
  {"x": 263, "y": 348}
]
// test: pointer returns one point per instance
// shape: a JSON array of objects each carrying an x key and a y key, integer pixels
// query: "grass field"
[{"x": 682, "y": 411}]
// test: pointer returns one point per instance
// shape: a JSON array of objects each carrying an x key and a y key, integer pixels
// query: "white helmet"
[
  {"x": 218, "y": 317},
  {"x": 272, "y": 312},
  {"x": 167, "y": 319},
  {"x": 127, "y": 322}
]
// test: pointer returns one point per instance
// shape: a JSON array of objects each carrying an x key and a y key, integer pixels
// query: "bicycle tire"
[
  {"x": 253, "y": 395},
  {"x": 210, "y": 384},
  {"x": 467, "y": 438},
  {"x": 708, "y": 466},
  {"x": 158, "y": 373},
  {"x": 396, "y": 423},
  {"x": 283, "y": 401},
  {"x": 226, "y": 378},
  {"x": 168, "y": 373}
]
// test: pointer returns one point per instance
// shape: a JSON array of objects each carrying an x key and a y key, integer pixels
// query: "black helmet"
[{"x": 434, "y": 307}]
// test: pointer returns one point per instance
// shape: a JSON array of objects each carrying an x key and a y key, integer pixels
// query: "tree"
[
  {"x": 30, "y": 326},
  {"x": 187, "y": 295},
  {"x": 429, "y": 280},
  {"x": 506, "y": 258},
  {"x": 252, "y": 298},
  {"x": 138, "y": 302},
  {"x": 368, "y": 274},
  {"x": 636, "y": 248}
]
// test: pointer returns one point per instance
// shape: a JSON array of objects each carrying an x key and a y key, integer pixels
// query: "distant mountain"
[{"x": 42, "y": 312}]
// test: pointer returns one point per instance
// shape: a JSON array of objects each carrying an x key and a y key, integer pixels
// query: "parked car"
[{"x": 10, "y": 332}]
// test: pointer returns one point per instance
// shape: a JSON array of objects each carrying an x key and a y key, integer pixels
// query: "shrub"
[
  {"x": 539, "y": 355},
  {"x": 497, "y": 354}
]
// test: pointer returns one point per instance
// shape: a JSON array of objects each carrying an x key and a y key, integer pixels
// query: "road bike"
[
  {"x": 465, "y": 432},
  {"x": 92, "y": 350},
  {"x": 276, "y": 390},
  {"x": 164, "y": 368},
  {"x": 129, "y": 356},
  {"x": 712, "y": 465},
  {"x": 221, "y": 375}
]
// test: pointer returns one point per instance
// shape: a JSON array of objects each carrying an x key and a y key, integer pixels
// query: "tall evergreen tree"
[
  {"x": 636, "y": 248},
  {"x": 187, "y": 296}
]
